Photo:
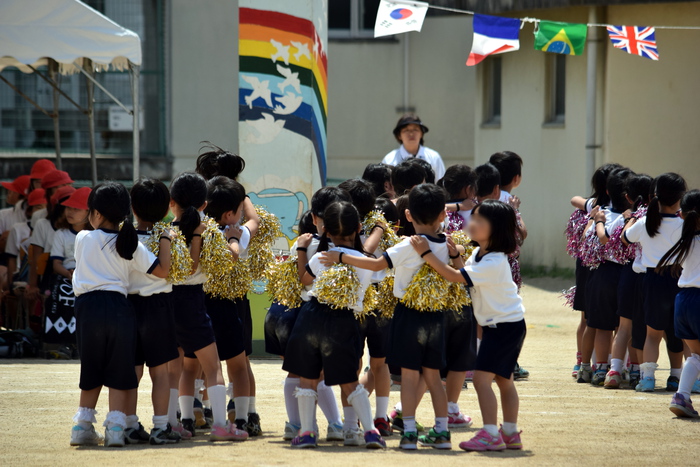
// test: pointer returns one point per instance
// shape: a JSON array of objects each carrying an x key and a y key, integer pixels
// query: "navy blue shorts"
[
  {"x": 416, "y": 340},
  {"x": 228, "y": 329},
  {"x": 243, "y": 309},
  {"x": 375, "y": 330},
  {"x": 106, "y": 338},
  {"x": 581, "y": 280},
  {"x": 279, "y": 323},
  {"x": 687, "y": 314},
  {"x": 625, "y": 288},
  {"x": 639, "y": 325},
  {"x": 193, "y": 328},
  {"x": 660, "y": 292},
  {"x": 601, "y": 296},
  {"x": 156, "y": 343},
  {"x": 500, "y": 348},
  {"x": 460, "y": 340},
  {"x": 324, "y": 339}
]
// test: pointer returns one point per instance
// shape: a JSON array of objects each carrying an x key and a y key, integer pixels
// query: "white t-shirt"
[
  {"x": 364, "y": 275},
  {"x": 43, "y": 235},
  {"x": 690, "y": 277},
  {"x": 18, "y": 239},
  {"x": 494, "y": 294},
  {"x": 505, "y": 197},
  {"x": 12, "y": 215},
  {"x": 406, "y": 261},
  {"x": 399, "y": 155},
  {"x": 40, "y": 214},
  {"x": 99, "y": 266},
  {"x": 63, "y": 247},
  {"x": 310, "y": 252},
  {"x": 653, "y": 248},
  {"x": 145, "y": 284}
]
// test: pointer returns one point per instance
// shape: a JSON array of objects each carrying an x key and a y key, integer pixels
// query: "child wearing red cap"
[
  {"x": 17, "y": 244},
  {"x": 63, "y": 247},
  {"x": 39, "y": 169},
  {"x": 16, "y": 195}
]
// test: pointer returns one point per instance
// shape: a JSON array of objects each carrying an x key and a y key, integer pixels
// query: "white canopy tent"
[{"x": 69, "y": 37}]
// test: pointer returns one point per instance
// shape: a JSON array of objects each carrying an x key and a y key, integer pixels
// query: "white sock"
[
  {"x": 398, "y": 407},
  {"x": 676, "y": 372},
  {"x": 616, "y": 365},
  {"x": 382, "y": 407},
  {"x": 409, "y": 424},
  {"x": 360, "y": 402},
  {"x": 327, "y": 403},
  {"x": 509, "y": 428},
  {"x": 452, "y": 407},
  {"x": 115, "y": 418},
  {"x": 198, "y": 387},
  {"x": 441, "y": 424},
  {"x": 217, "y": 395},
  {"x": 242, "y": 404},
  {"x": 186, "y": 407},
  {"x": 172, "y": 407},
  {"x": 132, "y": 421},
  {"x": 691, "y": 370},
  {"x": 290, "y": 402},
  {"x": 492, "y": 430},
  {"x": 351, "y": 420},
  {"x": 306, "y": 398},
  {"x": 160, "y": 421},
  {"x": 85, "y": 417},
  {"x": 251, "y": 405},
  {"x": 648, "y": 369}
]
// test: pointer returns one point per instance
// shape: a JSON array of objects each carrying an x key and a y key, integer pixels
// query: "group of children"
[{"x": 636, "y": 282}]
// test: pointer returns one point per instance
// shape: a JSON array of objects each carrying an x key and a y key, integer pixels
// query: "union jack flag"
[{"x": 637, "y": 40}]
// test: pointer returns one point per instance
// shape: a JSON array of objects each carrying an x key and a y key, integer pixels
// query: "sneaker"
[
  {"x": 334, "y": 432},
  {"x": 305, "y": 440},
  {"x": 253, "y": 427},
  {"x": 80, "y": 436},
  {"x": 483, "y": 441},
  {"x": 512, "y": 441},
  {"x": 436, "y": 440},
  {"x": 227, "y": 433},
  {"x": 383, "y": 426},
  {"x": 208, "y": 416},
  {"x": 164, "y": 436},
  {"x": 646, "y": 384},
  {"x": 584, "y": 375},
  {"x": 114, "y": 437},
  {"x": 353, "y": 437},
  {"x": 396, "y": 421},
  {"x": 458, "y": 420},
  {"x": 373, "y": 440},
  {"x": 188, "y": 424},
  {"x": 184, "y": 434},
  {"x": 290, "y": 431},
  {"x": 231, "y": 409},
  {"x": 136, "y": 435},
  {"x": 599, "y": 377},
  {"x": 682, "y": 407},
  {"x": 574, "y": 372},
  {"x": 200, "y": 422},
  {"x": 520, "y": 372},
  {"x": 672, "y": 384},
  {"x": 634, "y": 378},
  {"x": 696, "y": 387},
  {"x": 612, "y": 380},
  {"x": 409, "y": 441}
]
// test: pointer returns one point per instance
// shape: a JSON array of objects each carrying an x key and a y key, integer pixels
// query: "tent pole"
[
  {"x": 53, "y": 74},
  {"x": 135, "y": 77},
  {"x": 91, "y": 117}
]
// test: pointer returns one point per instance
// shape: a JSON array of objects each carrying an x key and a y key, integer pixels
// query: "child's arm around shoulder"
[
  {"x": 328, "y": 258},
  {"x": 251, "y": 215},
  {"x": 421, "y": 245},
  {"x": 196, "y": 246}
]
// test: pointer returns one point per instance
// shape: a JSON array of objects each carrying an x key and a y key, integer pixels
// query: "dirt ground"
[{"x": 562, "y": 422}]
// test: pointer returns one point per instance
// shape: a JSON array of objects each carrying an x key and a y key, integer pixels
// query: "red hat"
[
  {"x": 41, "y": 168},
  {"x": 78, "y": 199},
  {"x": 18, "y": 185},
  {"x": 63, "y": 192},
  {"x": 54, "y": 179},
  {"x": 37, "y": 197}
]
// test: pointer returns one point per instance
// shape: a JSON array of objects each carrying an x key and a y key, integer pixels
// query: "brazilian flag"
[{"x": 561, "y": 38}]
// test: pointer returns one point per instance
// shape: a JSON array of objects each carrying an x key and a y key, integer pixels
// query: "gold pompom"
[
  {"x": 461, "y": 238},
  {"x": 457, "y": 297},
  {"x": 283, "y": 282},
  {"x": 386, "y": 299},
  {"x": 430, "y": 292},
  {"x": 389, "y": 237},
  {"x": 260, "y": 255},
  {"x": 180, "y": 259},
  {"x": 337, "y": 286},
  {"x": 225, "y": 278},
  {"x": 370, "y": 302}
]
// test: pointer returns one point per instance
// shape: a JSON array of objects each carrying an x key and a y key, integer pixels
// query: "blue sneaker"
[
  {"x": 373, "y": 440},
  {"x": 634, "y": 378},
  {"x": 672, "y": 384},
  {"x": 682, "y": 407},
  {"x": 574, "y": 373},
  {"x": 305, "y": 440},
  {"x": 646, "y": 384},
  {"x": 598, "y": 378}
]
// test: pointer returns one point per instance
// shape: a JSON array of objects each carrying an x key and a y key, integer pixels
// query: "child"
[
  {"x": 417, "y": 339},
  {"x": 106, "y": 322},
  {"x": 427, "y": 168},
  {"x": 63, "y": 246},
  {"x": 488, "y": 182},
  {"x": 460, "y": 183},
  {"x": 379, "y": 175},
  {"x": 17, "y": 245},
  {"x": 510, "y": 166},
  {"x": 326, "y": 335},
  {"x": 685, "y": 254},
  {"x": 657, "y": 232},
  {"x": 499, "y": 310},
  {"x": 405, "y": 176}
]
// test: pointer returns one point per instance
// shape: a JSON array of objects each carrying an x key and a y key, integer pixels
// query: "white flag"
[{"x": 396, "y": 17}]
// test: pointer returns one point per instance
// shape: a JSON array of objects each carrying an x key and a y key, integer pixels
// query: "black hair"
[
  {"x": 504, "y": 225},
  {"x": 362, "y": 195},
  {"x": 616, "y": 186},
  {"x": 668, "y": 190},
  {"x": 325, "y": 196},
  {"x": 340, "y": 219},
  {"x": 456, "y": 178},
  {"x": 427, "y": 168},
  {"x": 425, "y": 203},
  {"x": 56, "y": 217},
  {"x": 487, "y": 179},
  {"x": 690, "y": 206},
  {"x": 405, "y": 226},
  {"x": 189, "y": 191},
  {"x": 306, "y": 223},
  {"x": 223, "y": 194},
  {"x": 391, "y": 213},
  {"x": 638, "y": 187},
  {"x": 150, "y": 199},
  {"x": 509, "y": 165},
  {"x": 405, "y": 176},
  {"x": 112, "y": 201},
  {"x": 216, "y": 161},
  {"x": 599, "y": 183},
  {"x": 377, "y": 175}
]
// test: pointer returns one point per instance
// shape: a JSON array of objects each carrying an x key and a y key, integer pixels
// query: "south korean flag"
[{"x": 399, "y": 16}]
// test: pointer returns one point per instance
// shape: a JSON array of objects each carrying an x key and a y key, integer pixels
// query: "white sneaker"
[
  {"x": 290, "y": 431},
  {"x": 353, "y": 437},
  {"x": 114, "y": 437},
  {"x": 335, "y": 433},
  {"x": 80, "y": 436}
]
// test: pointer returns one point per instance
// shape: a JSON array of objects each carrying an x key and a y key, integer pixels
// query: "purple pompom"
[
  {"x": 574, "y": 232},
  {"x": 453, "y": 222},
  {"x": 592, "y": 251},
  {"x": 568, "y": 296},
  {"x": 617, "y": 251}
]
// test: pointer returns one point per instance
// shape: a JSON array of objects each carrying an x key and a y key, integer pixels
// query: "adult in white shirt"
[{"x": 409, "y": 132}]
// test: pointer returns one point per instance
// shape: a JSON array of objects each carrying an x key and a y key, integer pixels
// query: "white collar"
[{"x": 406, "y": 155}]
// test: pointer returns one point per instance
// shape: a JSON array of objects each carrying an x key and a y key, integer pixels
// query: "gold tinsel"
[
  {"x": 260, "y": 255},
  {"x": 371, "y": 301},
  {"x": 389, "y": 237},
  {"x": 338, "y": 287},
  {"x": 461, "y": 238},
  {"x": 386, "y": 299},
  {"x": 430, "y": 292},
  {"x": 283, "y": 282},
  {"x": 225, "y": 278},
  {"x": 180, "y": 259}
]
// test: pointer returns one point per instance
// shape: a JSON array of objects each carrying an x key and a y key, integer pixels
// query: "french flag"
[{"x": 493, "y": 35}]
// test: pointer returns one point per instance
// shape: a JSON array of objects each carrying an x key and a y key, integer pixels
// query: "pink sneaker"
[
  {"x": 469, "y": 376},
  {"x": 458, "y": 420},
  {"x": 227, "y": 433},
  {"x": 512, "y": 441},
  {"x": 184, "y": 434},
  {"x": 483, "y": 441}
]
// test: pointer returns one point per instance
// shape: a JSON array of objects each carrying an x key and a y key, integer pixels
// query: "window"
[
  {"x": 352, "y": 19},
  {"x": 555, "y": 111},
  {"x": 492, "y": 91}
]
